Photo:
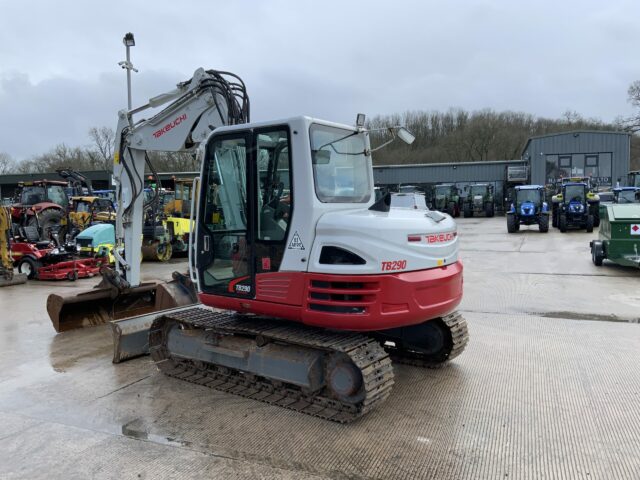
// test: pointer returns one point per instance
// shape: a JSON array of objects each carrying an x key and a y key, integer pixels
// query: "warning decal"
[
  {"x": 635, "y": 229},
  {"x": 296, "y": 242}
]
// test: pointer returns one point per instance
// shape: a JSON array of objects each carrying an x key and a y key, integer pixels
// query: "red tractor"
[{"x": 41, "y": 204}]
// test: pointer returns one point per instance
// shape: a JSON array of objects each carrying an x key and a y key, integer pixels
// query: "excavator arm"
[
  {"x": 185, "y": 118},
  {"x": 77, "y": 181},
  {"x": 208, "y": 100}
]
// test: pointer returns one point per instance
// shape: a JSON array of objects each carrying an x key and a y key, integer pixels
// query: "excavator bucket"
[
  {"x": 106, "y": 303},
  {"x": 131, "y": 335},
  {"x": 15, "y": 279}
]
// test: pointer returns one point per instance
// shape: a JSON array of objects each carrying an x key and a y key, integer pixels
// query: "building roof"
[
  {"x": 451, "y": 164},
  {"x": 575, "y": 133}
]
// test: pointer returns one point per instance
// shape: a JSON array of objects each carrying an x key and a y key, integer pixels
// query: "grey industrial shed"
[
  {"x": 427, "y": 175},
  {"x": 491, "y": 171},
  {"x": 603, "y": 155}
]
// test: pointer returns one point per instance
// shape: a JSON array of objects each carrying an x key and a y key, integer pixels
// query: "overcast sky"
[{"x": 331, "y": 59}]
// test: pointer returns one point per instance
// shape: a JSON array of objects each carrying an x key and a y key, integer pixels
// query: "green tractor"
[
  {"x": 592, "y": 199},
  {"x": 619, "y": 236},
  {"x": 447, "y": 199},
  {"x": 479, "y": 200}
]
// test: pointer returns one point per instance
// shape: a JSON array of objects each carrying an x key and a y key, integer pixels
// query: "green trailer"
[{"x": 619, "y": 237}]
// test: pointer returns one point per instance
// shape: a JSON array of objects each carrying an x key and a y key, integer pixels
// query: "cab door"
[{"x": 224, "y": 245}]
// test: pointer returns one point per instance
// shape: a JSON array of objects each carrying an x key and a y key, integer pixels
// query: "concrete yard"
[{"x": 549, "y": 387}]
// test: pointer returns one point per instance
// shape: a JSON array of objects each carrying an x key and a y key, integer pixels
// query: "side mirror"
[
  {"x": 321, "y": 157},
  {"x": 405, "y": 135},
  {"x": 400, "y": 132}
]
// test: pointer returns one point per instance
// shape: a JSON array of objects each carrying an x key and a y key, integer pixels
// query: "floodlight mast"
[{"x": 129, "y": 41}]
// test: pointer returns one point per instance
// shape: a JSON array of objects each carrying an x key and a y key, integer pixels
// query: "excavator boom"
[{"x": 208, "y": 100}]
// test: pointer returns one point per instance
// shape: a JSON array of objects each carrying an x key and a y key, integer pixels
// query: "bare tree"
[
  {"x": 103, "y": 140},
  {"x": 7, "y": 164},
  {"x": 633, "y": 95}
]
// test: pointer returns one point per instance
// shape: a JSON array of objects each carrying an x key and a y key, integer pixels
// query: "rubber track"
[
  {"x": 367, "y": 354},
  {"x": 459, "y": 334}
]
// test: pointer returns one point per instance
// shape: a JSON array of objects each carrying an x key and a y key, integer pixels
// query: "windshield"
[
  {"x": 528, "y": 196},
  {"x": 183, "y": 191},
  {"x": 442, "y": 191},
  {"x": 574, "y": 193},
  {"x": 81, "y": 206},
  {"x": 402, "y": 200},
  {"x": 57, "y": 195},
  {"x": 478, "y": 190},
  {"x": 341, "y": 171},
  {"x": 627, "y": 196},
  {"x": 32, "y": 195}
]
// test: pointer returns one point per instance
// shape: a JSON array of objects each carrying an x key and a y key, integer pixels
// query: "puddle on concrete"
[
  {"x": 587, "y": 316},
  {"x": 128, "y": 430}
]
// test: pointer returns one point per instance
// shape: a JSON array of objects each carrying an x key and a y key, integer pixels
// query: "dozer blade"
[
  {"x": 16, "y": 279},
  {"x": 104, "y": 304},
  {"x": 131, "y": 335}
]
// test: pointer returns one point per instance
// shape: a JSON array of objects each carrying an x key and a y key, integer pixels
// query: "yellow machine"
[
  {"x": 7, "y": 277},
  {"x": 88, "y": 209},
  {"x": 177, "y": 212}
]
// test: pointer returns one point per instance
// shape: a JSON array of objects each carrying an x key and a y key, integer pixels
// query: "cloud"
[{"x": 328, "y": 59}]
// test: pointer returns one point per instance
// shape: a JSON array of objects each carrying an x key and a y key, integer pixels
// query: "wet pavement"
[{"x": 549, "y": 387}]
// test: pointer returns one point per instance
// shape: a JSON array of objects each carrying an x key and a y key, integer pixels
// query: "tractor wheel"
[
  {"x": 72, "y": 275},
  {"x": 589, "y": 224},
  {"x": 451, "y": 209},
  {"x": 157, "y": 251},
  {"x": 489, "y": 210},
  {"x": 596, "y": 216},
  {"x": 554, "y": 217},
  {"x": 597, "y": 254},
  {"x": 543, "y": 223},
  {"x": 467, "y": 211},
  {"x": 47, "y": 219},
  {"x": 29, "y": 266},
  {"x": 562, "y": 222},
  {"x": 511, "y": 223}
]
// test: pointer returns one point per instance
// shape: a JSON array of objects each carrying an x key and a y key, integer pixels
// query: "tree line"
[
  {"x": 456, "y": 135},
  {"x": 461, "y": 136},
  {"x": 97, "y": 155}
]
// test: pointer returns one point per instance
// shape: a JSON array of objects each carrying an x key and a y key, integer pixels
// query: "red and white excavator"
[{"x": 308, "y": 287}]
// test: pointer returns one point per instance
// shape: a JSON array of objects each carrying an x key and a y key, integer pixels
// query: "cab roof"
[
  {"x": 529, "y": 187},
  {"x": 626, "y": 189}
]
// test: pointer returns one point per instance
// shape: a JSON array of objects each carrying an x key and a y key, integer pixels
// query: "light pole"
[{"x": 129, "y": 42}]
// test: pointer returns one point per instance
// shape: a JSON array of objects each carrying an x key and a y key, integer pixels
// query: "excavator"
[
  {"x": 307, "y": 287},
  {"x": 7, "y": 276}
]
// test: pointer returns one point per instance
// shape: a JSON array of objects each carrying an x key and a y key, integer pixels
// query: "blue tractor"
[
  {"x": 528, "y": 208},
  {"x": 574, "y": 207}
]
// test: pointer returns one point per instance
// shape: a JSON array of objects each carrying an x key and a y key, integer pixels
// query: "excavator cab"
[{"x": 286, "y": 219}]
